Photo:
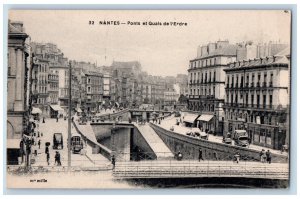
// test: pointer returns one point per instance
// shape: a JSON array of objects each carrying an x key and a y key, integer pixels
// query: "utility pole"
[{"x": 69, "y": 118}]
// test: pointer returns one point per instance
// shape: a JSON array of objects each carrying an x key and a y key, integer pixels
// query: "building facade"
[
  {"x": 257, "y": 99},
  {"x": 207, "y": 83},
  {"x": 94, "y": 90},
  {"x": 18, "y": 104}
]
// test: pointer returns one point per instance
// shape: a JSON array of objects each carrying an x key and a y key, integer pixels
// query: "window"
[
  {"x": 252, "y": 100},
  {"x": 257, "y": 101},
  {"x": 214, "y": 77},
  {"x": 214, "y": 91},
  {"x": 246, "y": 100},
  {"x": 264, "y": 101},
  {"x": 271, "y": 79},
  {"x": 271, "y": 100}
]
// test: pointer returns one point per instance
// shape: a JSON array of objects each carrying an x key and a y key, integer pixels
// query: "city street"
[{"x": 48, "y": 129}]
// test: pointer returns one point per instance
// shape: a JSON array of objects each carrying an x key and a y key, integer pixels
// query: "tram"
[{"x": 76, "y": 143}]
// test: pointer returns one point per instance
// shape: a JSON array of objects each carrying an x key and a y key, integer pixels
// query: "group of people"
[
  {"x": 57, "y": 160},
  {"x": 265, "y": 156}
]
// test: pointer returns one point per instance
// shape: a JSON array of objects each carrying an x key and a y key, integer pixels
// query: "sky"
[{"x": 161, "y": 50}]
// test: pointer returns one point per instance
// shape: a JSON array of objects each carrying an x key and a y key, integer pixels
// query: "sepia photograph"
[{"x": 147, "y": 99}]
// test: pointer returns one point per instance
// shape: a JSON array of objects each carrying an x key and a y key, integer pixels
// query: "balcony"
[
  {"x": 236, "y": 85},
  {"x": 241, "y": 85},
  {"x": 270, "y": 84},
  {"x": 261, "y": 107},
  {"x": 231, "y": 85},
  {"x": 246, "y": 84},
  {"x": 252, "y": 84},
  {"x": 264, "y": 84},
  {"x": 257, "y": 84}
]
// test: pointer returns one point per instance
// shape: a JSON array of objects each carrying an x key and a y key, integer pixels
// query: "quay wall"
[{"x": 189, "y": 147}]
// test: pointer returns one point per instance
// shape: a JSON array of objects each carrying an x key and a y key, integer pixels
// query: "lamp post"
[{"x": 69, "y": 118}]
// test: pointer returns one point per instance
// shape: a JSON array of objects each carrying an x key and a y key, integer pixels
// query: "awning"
[
  {"x": 79, "y": 110},
  {"x": 190, "y": 118},
  {"x": 56, "y": 108},
  {"x": 205, "y": 118},
  {"x": 13, "y": 143},
  {"x": 36, "y": 111}
]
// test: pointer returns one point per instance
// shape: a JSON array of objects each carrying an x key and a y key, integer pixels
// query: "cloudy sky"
[{"x": 162, "y": 50}]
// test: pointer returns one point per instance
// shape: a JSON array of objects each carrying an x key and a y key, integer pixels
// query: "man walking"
[
  {"x": 47, "y": 149},
  {"x": 39, "y": 143},
  {"x": 48, "y": 158},
  {"x": 113, "y": 161},
  {"x": 269, "y": 157},
  {"x": 237, "y": 157},
  {"x": 200, "y": 155},
  {"x": 57, "y": 158}
]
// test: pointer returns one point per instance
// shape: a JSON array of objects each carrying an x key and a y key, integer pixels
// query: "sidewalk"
[{"x": 48, "y": 129}]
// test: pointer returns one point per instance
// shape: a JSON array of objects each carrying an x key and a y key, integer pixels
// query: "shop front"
[
  {"x": 206, "y": 123},
  {"x": 190, "y": 120},
  {"x": 267, "y": 135},
  {"x": 56, "y": 111}
]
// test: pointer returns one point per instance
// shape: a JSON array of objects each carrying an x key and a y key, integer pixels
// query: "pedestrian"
[
  {"x": 269, "y": 156},
  {"x": 32, "y": 141},
  {"x": 43, "y": 119},
  {"x": 179, "y": 155},
  {"x": 57, "y": 159},
  {"x": 263, "y": 156},
  {"x": 47, "y": 149},
  {"x": 237, "y": 157},
  {"x": 48, "y": 158},
  {"x": 200, "y": 155},
  {"x": 38, "y": 134},
  {"x": 113, "y": 161},
  {"x": 57, "y": 118},
  {"x": 39, "y": 143}
]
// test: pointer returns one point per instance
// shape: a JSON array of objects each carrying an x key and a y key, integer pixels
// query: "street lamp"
[{"x": 69, "y": 118}]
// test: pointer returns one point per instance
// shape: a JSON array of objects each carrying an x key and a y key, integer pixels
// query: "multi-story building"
[
  {"x": 257, "y": 99},
  {"x": 106, "y": 86},
  {"x": 53, "y": 86},
  {"x": 56, "y": 90},
  {"x": 207, "y": 82},
  {"x": 18, "y": 107},
  {"x": 94, "y": 89}
]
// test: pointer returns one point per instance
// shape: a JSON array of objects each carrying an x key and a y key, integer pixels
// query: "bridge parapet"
[{"x": 187, "y": 169}]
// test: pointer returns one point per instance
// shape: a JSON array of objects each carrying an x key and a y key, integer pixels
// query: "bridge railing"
[
  {"x": 200, "y": 170},
  {"x": 207, "y": 156}
]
